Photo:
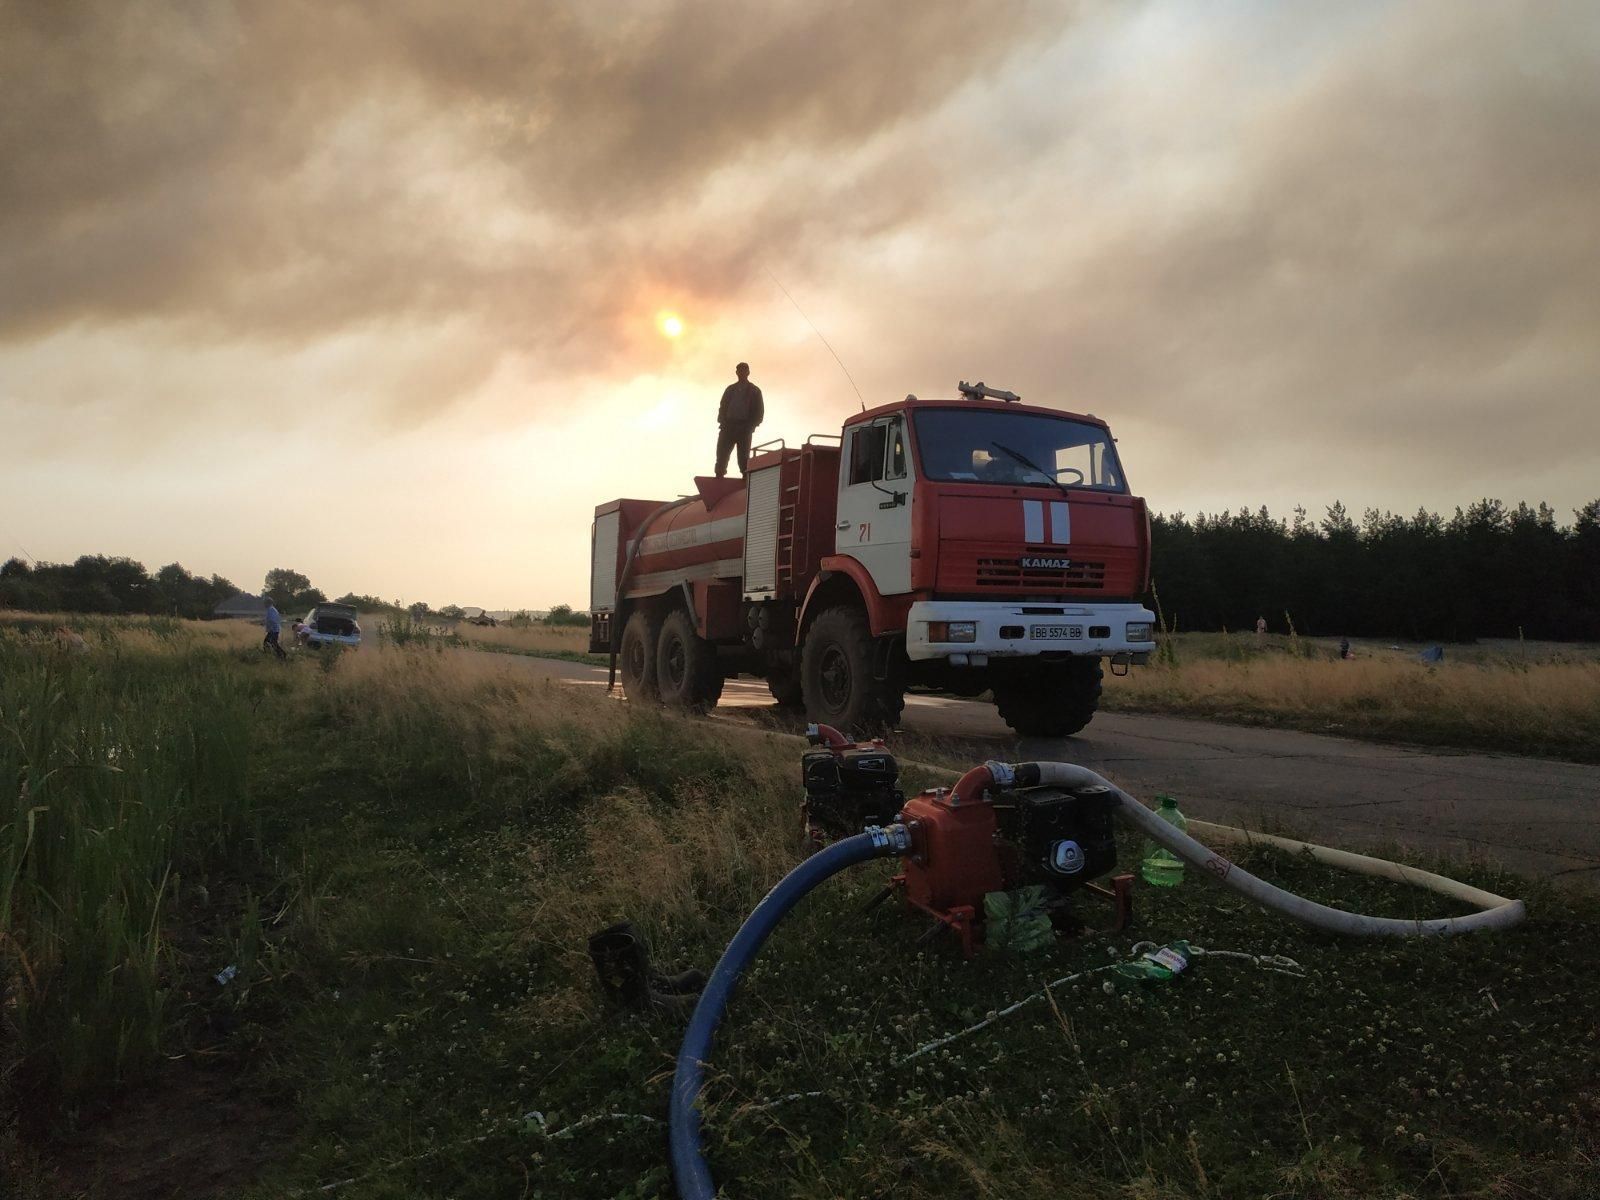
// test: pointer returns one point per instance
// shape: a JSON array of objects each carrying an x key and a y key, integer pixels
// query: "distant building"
[{"x": 243, "y": 606}]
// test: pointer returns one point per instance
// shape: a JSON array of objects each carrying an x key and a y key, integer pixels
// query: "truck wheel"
[
  {"x": 836, "y": 675},
  {"x": 783, "y": 681},
  {"x": 637, "y": 656},
  {"x": 688, "y": 674},
  {"x": 1054, "y": 702}
]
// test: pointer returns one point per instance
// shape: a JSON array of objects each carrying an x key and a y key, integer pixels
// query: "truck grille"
[
  {"x": 1006, "y": 573},
  {"x": 980, "y": 567}
]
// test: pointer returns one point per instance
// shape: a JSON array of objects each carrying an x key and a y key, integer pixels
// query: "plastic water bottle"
[{"x": 1160, "y": 866}]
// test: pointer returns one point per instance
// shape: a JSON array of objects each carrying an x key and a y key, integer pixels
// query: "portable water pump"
[{"x": 968, "y": 842}]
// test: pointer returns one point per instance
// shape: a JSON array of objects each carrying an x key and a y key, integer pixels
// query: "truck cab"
[
  {"x": 986, "y": 513},
  {"x": 1005, "y": 536}
]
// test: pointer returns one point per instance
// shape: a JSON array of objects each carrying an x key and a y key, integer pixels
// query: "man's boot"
[{"x": 623, "y": 965}]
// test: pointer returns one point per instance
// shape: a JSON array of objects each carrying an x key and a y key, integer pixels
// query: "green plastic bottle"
[{"x": 1160, "y": 866}]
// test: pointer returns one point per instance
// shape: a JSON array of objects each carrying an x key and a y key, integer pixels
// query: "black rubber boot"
[
  {"x": 621, "y": 962},
  {"x": 623, "y": 966}
]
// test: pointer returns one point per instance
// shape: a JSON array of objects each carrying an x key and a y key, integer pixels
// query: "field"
[
  {"x": 1525, "y": 698},
  {"x": 1539, "y": 698},
  {"x": 543, "y": 641},
  {"x": 391, "y": 860}
]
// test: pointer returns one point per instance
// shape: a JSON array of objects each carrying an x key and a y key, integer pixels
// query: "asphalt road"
[{"x": 1534, "y": 816}]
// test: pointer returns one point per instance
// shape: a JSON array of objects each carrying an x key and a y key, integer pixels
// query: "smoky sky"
[
  {"x": 1291, "y": 251},
  {"x": 281, "y": 170}
]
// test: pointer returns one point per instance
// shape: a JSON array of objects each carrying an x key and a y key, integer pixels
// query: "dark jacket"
[{"x": 741, "y": 405}]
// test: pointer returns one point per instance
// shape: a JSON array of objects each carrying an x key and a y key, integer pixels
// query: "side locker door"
[{"x": 874, "y": 517}]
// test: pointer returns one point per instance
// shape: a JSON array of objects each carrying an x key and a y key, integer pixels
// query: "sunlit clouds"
[{"x": 456, "y": 275}]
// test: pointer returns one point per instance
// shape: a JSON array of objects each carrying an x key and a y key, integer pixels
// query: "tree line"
[
  {"x": 1487, "y": 571},
  {"x": 95, "y": 583}
]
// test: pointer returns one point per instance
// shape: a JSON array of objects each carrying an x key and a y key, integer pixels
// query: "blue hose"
[{"x": 688, "y": 1161}]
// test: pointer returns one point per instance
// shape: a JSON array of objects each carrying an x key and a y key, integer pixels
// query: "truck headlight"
[
  {"x": 1141, "y": 631},
  {"x": 952, "y": 631}
]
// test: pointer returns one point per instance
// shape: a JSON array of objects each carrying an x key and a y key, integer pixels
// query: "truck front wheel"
[
  {"x": 688, "y": 674},
  {"x": 637, "y": 656},
  {"x": 1054, "y": 701},
  {"x": 836, "y": 675}
]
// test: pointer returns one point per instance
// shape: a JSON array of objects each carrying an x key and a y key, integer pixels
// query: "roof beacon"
[{"x": 980, "y": 390}]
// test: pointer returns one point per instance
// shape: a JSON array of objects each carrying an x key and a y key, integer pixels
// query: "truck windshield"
[{"x": 958, "y": 445}]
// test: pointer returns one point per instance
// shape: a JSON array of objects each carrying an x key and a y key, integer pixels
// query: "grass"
[
  {"x": 1516, "y": 697},
  {"x": 432, "y": 835},
  {"x": 566, "y": 642},
  {"x": 1542, "y": 700},
  {"x": 124, "y": 759}
]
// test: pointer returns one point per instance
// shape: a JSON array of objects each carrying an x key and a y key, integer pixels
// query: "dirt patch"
[{"x": 195, "y": 1131}]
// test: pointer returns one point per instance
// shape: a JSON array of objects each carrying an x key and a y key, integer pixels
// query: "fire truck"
[{"x": 962, "y": 546}]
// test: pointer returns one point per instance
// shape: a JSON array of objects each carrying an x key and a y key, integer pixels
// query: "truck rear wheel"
[
  {"x": 688, "y": 674},
  {"x": 1055, "y": 701},
  {"x": 637, "y": 656},
  {"x": 783, "y": 681},
  {"x": 836, "y": 675}
]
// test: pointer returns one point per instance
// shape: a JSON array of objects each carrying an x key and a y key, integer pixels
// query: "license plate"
[{"x": 1055, "y": 633}]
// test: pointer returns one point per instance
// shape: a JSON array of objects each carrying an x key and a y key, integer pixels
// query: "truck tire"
[
  {"x": 636, "y": 656},
  {"x": 783, "y": 681},
  {"x": 688, "y": 674},
  {"x": 1056, "y": 701},
  {"x": 836, "y": 675}
]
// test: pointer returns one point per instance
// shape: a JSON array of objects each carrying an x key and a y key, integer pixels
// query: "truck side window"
[
  {"x": 866, "y": 453},
  {"x": 897, "y": 450}
]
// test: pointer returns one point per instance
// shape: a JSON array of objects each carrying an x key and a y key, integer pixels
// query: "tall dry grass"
[
  {"x": 531, "y": 639},
  {"x": 1545, "y": 707},
  {"x": 668, "y": 820}
]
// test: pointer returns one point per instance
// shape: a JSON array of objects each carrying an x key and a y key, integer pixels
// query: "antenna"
[{"x": 818, "y": 332}]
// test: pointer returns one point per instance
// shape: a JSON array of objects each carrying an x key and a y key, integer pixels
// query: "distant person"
[
  {"x": 274, "y": 624},
  {"x": 1261, "y": 628},
  {"x": 738, "y": 415},
  {"x": 1344, "y": 647}
]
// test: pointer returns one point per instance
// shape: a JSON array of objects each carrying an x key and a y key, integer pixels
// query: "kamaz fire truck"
[{"x": 964, "y": 546}]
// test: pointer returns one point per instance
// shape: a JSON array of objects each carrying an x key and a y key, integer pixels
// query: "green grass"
[
  {"x": 124, "y": 768},
  {"x": 436, "y": 836}
]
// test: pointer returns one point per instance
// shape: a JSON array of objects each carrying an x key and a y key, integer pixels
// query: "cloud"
[
  {"x": 1291, "y": 252},
  {"x": 275, "y": 171}
]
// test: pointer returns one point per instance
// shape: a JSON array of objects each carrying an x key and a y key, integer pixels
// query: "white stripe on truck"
[
  {"x": 1060, "y": 523},
  {"x": 1032, "y": 521}
]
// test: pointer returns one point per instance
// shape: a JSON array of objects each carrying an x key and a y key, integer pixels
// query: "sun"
[{"x": 670, "y": 324}]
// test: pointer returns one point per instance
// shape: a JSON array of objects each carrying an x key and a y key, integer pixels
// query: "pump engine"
[
  {"x": 849, "y": 785},
  {"x": 964, "y": 846}
]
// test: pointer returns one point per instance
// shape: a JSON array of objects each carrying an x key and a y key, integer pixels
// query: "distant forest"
[
  {"x": 98, "y": 584},
  {"x": 1488, "y": 571}
]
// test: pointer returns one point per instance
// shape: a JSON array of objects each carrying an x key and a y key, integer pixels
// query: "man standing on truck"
[{"x": 737, "y": 417}]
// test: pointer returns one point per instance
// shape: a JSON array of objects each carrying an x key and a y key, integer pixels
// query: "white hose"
[{"x": 1497, "y": 911}]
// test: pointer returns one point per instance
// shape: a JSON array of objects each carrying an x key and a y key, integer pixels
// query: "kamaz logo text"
[{"x": 1035, "y": 563}]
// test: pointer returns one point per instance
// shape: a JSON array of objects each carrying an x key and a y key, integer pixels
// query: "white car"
[{"x": 330, "y": 625}]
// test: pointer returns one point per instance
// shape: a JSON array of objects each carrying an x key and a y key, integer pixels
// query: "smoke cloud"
[{"x": 1291, "y": 253}]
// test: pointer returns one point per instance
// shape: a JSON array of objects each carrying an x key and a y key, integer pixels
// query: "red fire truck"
[{"x": 965, "y": 546}]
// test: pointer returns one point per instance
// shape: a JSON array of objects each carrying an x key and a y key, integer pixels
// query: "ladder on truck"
[{"x": 794, "y": 498}]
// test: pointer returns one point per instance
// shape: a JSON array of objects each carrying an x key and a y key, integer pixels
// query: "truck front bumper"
[{"x": 1017, "y": 630}]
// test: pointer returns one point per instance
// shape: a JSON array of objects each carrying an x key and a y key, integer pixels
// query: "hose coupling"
[
  {"x": 890, "y": 839},
  {"x": 1004, "y": 775}
]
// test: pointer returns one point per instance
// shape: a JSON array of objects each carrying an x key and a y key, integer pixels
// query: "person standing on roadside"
[
  {"x": 738, "y": 415},
  {"x": 274, "y": 624}
]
